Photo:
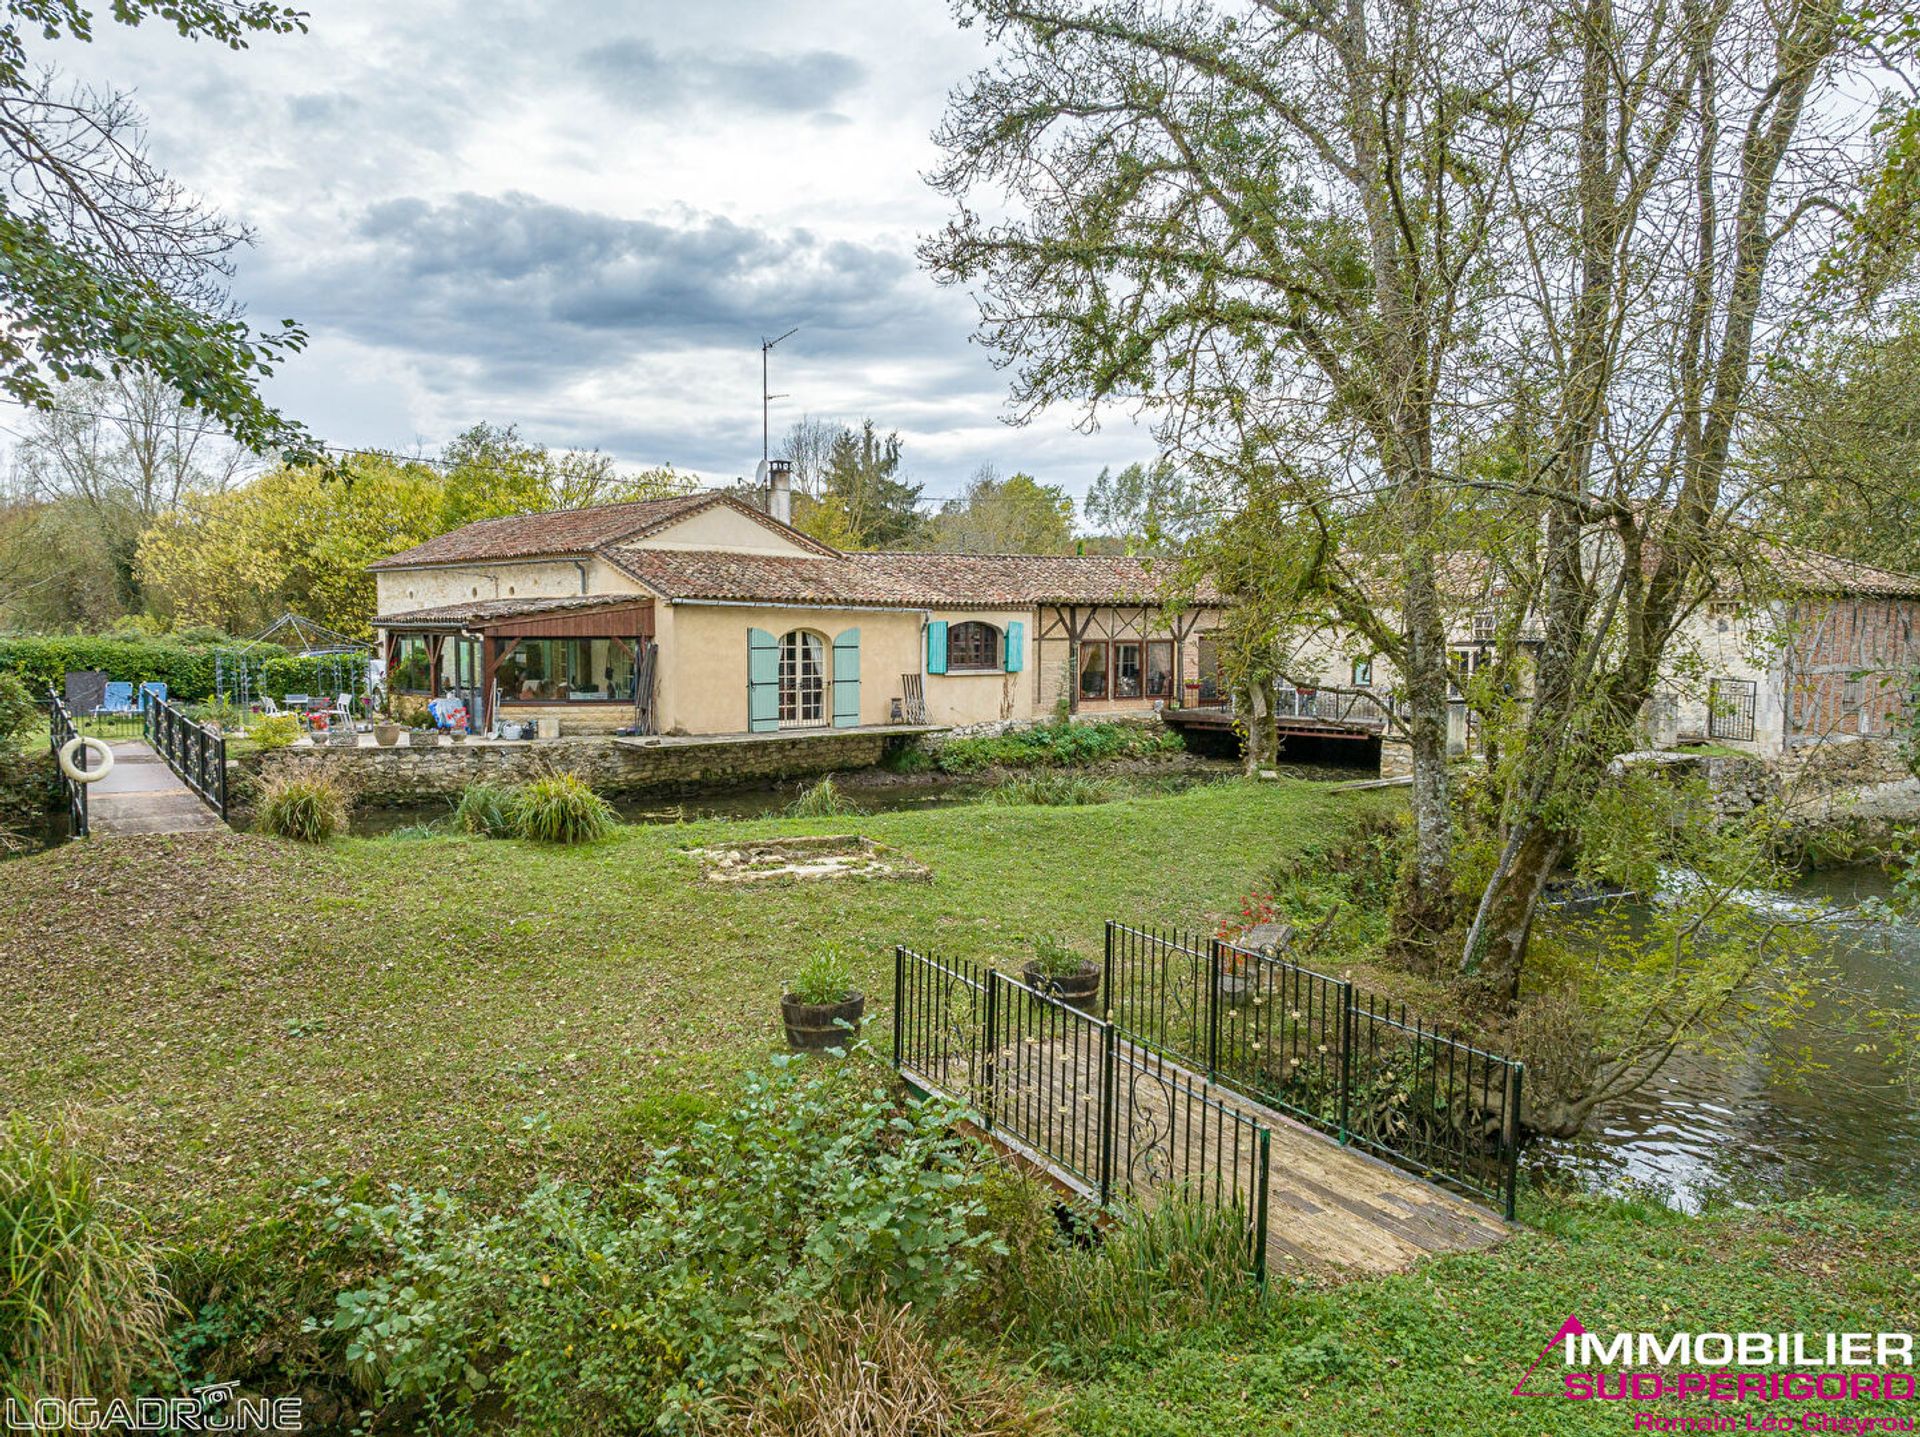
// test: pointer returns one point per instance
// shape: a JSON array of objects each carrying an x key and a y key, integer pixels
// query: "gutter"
[{"x": 925, "y": 614}]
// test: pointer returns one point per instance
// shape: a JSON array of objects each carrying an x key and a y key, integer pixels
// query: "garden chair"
[
  {"x": 118, "y": 699},
  {"x": 916, "y": 704},
  {"x": 267, "y": 704},
  {"x": 153, "y": 689}
]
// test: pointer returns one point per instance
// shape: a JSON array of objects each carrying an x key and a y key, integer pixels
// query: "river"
[{"x": 1742, "y": 1128}]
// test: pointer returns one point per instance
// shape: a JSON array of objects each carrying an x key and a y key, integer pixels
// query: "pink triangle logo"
[{"x": 1570, "y": 1328}]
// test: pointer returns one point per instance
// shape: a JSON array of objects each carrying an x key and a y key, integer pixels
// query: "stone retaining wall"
[{"x": 406, "y": 775}]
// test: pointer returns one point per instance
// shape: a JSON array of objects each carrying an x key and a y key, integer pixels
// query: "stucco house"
[{"x": 705, "y": 615}]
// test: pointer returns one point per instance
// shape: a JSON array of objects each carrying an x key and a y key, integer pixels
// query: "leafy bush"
[
  {"x": 43, "y": 662},
  {"x": 309, "y": 807},
  {"x": 876, "y": 1370},
  {"x": 275, "y": 731},
  {"x": 826, "y": 977},
  {"x": 1051, "y": 790},
  {"x": 490, "y": 810},
  {"x": 823, "y": 800},
  {"x": 1057, "y": 745},
  {"x": 561, "y": 808},
  {"x": 82, "y": 1311},
  {"x": 640, "y": 1307},
  {"x": 1052, "y": 958}
]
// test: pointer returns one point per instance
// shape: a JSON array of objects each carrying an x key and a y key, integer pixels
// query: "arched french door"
[{"x": 803, "y": 679}]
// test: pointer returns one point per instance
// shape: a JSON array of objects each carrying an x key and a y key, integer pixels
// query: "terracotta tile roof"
[
  {"x": 475, "y": 610},
  {"x": 573, "y": 531},
  {"x": 1808, "y": 571},
  {"x": 905, "y": 580}
]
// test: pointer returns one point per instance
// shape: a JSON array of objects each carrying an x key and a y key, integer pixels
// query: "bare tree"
[{"x": 808, "y": 445}]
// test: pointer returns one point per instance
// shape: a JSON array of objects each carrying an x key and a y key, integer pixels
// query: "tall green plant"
[{"x": 562, "y": 808}]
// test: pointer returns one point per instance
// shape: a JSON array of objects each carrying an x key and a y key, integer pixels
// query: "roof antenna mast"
[{"x": 767, "y": 398}]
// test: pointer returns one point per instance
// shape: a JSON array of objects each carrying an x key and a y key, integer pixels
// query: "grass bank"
[{"x": 233, "y": 1014}]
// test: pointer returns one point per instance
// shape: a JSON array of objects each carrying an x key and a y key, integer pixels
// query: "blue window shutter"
[
  {"x": 1016, "y": 647},
  {"x": 937, "y": 646},
  {"x": 763, "y": 681},
  {"x": 846, "y": 679}
]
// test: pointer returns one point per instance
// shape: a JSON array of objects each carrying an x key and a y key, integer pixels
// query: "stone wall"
[{"x": 405, "y": 775}]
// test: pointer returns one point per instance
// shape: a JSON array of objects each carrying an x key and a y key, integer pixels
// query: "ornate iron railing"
[
  {"x": 196, "y": 753},
  {"x": 62, "y": 730},
  {"x": 1314, "y": 1047},
  {"x": 1115, "y": 1120}
]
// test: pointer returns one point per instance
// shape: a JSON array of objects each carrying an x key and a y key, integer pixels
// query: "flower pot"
[
  {"x": 1076, "y": 990},
  {"x": 423, "y": 738},
  {"x": 812, "y": 1027},
  {"x": 386, "y": 734}
]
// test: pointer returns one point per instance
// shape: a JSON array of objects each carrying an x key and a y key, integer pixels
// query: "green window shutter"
[
  {"x": 763, "y": 681},
  {"x": 1016, "y": 647},
  {"x": 937, "y": 646},
  {"x": 846, "y": 679}
]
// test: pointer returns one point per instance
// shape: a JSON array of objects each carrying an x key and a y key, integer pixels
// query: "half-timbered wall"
[{"x": 1847, "y": 668}]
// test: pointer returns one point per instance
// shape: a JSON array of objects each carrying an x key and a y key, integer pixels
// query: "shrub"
[
  {"x": 1057, "y": 745},
  {"x": 876, "y": 1370},
  {"x": 490, "y": 810},
  {"x": 1052, "y": 958},
  {"x": 823, "y": 800},
  {"x": 43, "y": 662},
  {"x": 561, "y": 808},
  {"x": 826, "y": 977},
  {"x": 1051, "y": 790},
  {"x": 275, "y": 731},
  {"x": 309, "y": 807},
  {"x": 82, "y": 1311},
  {"x": 638, "y": 1307}
]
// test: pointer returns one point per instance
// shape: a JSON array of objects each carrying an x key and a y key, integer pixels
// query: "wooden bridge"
[{"x": 1352, "y": 716}]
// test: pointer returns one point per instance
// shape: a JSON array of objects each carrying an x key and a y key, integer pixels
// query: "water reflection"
[{"x": 1742, "y": 1128}]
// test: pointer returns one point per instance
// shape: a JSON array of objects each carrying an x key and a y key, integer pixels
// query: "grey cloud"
[{"x": 636, "y": 74}]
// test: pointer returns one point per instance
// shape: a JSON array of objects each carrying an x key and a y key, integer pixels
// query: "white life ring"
[{"x": 85, "y": 775}]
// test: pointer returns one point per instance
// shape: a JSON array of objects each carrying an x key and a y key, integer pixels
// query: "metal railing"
[
  {"x": 1363, "y": 710},
  {"x": 1114, "y": 1120},
  {"x": 197, "y": 754},
  {"x": 1312, "y": 1046},
  {"x": 62, "y": 730}
]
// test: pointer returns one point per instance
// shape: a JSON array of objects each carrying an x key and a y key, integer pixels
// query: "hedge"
[
  {"x": 186, "y": 669},
  {"x": 45, "y": 660}
]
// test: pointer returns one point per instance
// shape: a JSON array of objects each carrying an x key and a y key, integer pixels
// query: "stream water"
[{"x": 1746, "y": 1128}]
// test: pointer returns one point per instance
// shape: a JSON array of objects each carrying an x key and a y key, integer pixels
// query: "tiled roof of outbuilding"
[{"x": 476, "y": 610}]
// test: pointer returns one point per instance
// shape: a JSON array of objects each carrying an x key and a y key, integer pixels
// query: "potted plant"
[
  {"x": 386, "y": 730},
  {"x": 427, "y": 737},
  {"x": 821, "y": 1008},
  {"x": 1059, "y": 972}
]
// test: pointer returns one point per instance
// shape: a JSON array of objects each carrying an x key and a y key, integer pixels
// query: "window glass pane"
[
  {"x": 1126, "y": 671},
  {"x": 533, "y": 672},
  {"x": 1362, "y": 673},
  {"x": 616, "y": 668},
  {"x": 1160, "y": 669},
  {"x": 803, "y": 678},
  {"x": 1093, "y": 671},
  {"x": 973, "y": 645},
  {"x": 409, "y": 674}
]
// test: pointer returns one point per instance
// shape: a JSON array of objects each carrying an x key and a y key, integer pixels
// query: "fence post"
[
  {"x": 1346, "y": 1059},
  {"x": 1260, "y": 1211},
  {"x": 221, "y": 759},
  {"x": 1512, "y": 1136},
  {"x": 1106, "y": 974},
  {"x": 987, "y": 1050},
  {"x": 1109, "y": 1108},
  {"x": 899, "y": 1000},
  {"x": 1213, "y": 1008}
]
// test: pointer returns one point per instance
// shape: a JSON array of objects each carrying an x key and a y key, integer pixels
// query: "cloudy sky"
[{"x": 583, "y": 217}]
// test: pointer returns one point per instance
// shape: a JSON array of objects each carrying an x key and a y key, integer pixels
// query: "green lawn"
[
  {"x": 235, "y": 1013},
  {"x": 1440, "y": 1349}
]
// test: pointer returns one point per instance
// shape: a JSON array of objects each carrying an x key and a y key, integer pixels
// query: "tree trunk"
[
  {"x": 1497, "y": 948},
  {"x": 1425, "y": 910}
]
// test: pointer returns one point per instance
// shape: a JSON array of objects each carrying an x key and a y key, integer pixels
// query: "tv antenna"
[{"x": 767, "y": 397}]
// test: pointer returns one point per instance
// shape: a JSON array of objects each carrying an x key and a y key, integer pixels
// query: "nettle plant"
[{"x": 641, "y": 1306}]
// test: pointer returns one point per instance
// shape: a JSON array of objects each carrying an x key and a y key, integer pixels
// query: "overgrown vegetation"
[
  {"x": 1053, "y": 790},
  {"x": 826, "y": 976},
  {"x": 824, "y": 799},
  {"x": 488, "y": 810},
  {"x": 561, "y": 808},
  {"x": 1056, "y": 745},
  {"x": 275, "y": 731},
  {"x": 309, "y": 806},
  {"x": 82, "y": 1310}
]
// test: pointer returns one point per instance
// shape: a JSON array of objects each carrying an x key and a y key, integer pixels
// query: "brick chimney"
[{"x": 780, "y": 489}]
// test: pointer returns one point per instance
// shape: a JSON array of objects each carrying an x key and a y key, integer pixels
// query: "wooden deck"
[
  {"x": 1331, "y": 1211},
  {"x": 1219, "y": 721},
  {"x": 143, "y": 795}
]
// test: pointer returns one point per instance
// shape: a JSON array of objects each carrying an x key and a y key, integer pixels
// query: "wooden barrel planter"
[
  {"x": 812, "y": 1027},
  {"x": 1076, "y": 990}
]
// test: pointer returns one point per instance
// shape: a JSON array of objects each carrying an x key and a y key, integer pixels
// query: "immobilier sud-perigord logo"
[{"x": 1806, "y": 1373}]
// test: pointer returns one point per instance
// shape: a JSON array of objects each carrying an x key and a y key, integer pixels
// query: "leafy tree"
[
  {"x": 1015, "y": 515},
  {"x": 1151, "y": 507},
  {"x": 863, "y": 503},
  {"x": 105, "y": 262},
  {"x": 492, "y": 472},
  {"x": 1837, "y": 448}
]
